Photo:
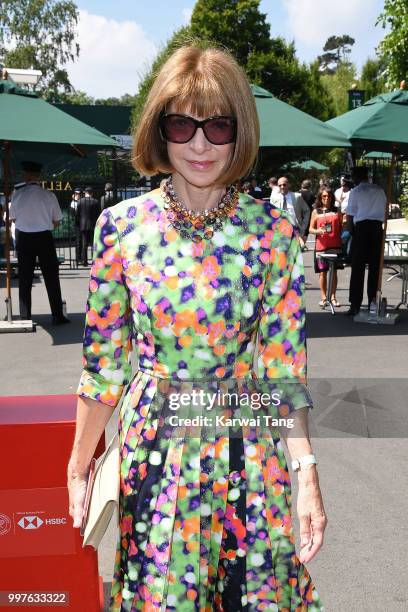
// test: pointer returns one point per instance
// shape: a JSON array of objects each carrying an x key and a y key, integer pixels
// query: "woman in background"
[{"x": 326, "y": 224}]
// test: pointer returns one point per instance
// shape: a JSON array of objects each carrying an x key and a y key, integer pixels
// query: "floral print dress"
[{"x": 205, "y": 519}]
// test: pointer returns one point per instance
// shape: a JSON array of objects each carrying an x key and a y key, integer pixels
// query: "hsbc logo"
[
  {"x": 30, "y": 522},
  {"x": 5, "y": 524}
]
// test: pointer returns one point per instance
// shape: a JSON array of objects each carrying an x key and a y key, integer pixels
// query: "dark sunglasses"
[{"x": 180, "y": 129}]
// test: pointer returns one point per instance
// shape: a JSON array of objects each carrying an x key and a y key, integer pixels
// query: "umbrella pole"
[
  {"x": 6, "y": 174},
  {"x": 389, "y": 196}
]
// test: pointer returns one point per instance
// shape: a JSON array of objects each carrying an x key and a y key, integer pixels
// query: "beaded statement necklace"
[{"x": 192, "y": 224}]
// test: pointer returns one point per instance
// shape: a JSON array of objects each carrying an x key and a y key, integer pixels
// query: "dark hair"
[
  {"x": 306, "y": 184},
  {"x": 360, "y": 173},
  {"x": 273, "y": 180},
  {"x": 318, "y": 205}
]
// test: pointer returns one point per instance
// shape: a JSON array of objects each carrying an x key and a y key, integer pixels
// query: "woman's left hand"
[{"x": 312, "y": 517}]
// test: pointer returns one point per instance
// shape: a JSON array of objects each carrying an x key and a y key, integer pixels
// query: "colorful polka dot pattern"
[{"x": 205, "y": 522}]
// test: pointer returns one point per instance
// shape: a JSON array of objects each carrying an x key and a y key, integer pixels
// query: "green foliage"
[
  {"x": 372, "y": 78},
  {"x": 281, "y": 73},
  {"x": 237, "y": 25},
  {"x": 338, "y": 84},
  {"x": 180, "y": 37},
  {"x": 336, "y": 51},
  {"x": 240, "y": 27},
  {"x": 393, "y": 49},
  {"x": 40, "y": 34},
  {"x": 80, "y": 97},
  {"x": 403, "y": 199}
]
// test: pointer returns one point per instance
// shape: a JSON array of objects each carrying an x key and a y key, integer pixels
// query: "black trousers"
[
  {"x": 77, "y": 246},
  {"x": 365, "y": 249},
  {"x": 31, "y": 245},
  {"x": 86, "y": 240}
]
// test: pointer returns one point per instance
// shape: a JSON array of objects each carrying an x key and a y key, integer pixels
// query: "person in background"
[
  {"x": 295, "y": 206},
  {"x": 365, "y": 216},
  {"x": 273, "y": 186},
  {"x": 76, "y": 196},
  {"x": 255, "y": 191},
  {"x": 246, "y": 187},
  {"x": 309, "y": 197},
  {"x": 36, "y": 213},
  {"x": 342, "y": 194},
  {"x": 108, "y": 199},
  {"x": 87, "y": 213},
  {"x": 326, "y": 224}
]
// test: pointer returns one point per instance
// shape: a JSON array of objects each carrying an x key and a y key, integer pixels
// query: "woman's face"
[
  {"x": 197, "y": 161},
  {"x": 325, "y": 199}
]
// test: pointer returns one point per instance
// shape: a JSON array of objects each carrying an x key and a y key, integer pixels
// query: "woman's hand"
[
  {"x": 312, "y": 517},
  {"x": 76, "y": 488}
]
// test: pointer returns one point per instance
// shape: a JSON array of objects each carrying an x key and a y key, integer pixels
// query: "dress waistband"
[{"x": 250, "y": 374}]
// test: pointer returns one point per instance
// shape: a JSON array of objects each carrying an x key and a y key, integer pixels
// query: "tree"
[
  {"x": 281, "y": 73},
  {"x": 336, "y": 51},
  {"x": 372, "y": 79},
  {"x": 40, "y": 34},
  {"x": 179, "y": 38},
  {"x": 240, "y": 27},
  {"x": 338, "y": 84},
  {"x": 237, "y": 25},
  {"x": 393, "y": 49}
]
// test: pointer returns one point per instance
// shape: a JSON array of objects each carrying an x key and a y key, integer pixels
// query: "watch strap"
[{"x": 304, "y": 461}]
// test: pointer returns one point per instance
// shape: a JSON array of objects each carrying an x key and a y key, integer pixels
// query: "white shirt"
[
  {"x": 367, "y": 201},
  {"x": 274, "y": 193},
  {"x": 342, "y": 197},
  {"x": 34, "y": 208},
  {"x": 289, "y": 203}
]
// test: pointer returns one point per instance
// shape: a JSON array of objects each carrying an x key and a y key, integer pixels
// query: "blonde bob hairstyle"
[{"x": 203, "y": 82}]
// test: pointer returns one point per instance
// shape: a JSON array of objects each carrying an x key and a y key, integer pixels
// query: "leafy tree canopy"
[
  {"x": 338, "y": 84},
  {"x": 40, "y": 34},
  {"x": 237, "y": 25},
  {"x": 240, "y": 27},
  {"x": 372, "y": 79},
  {"x": 393, "y": 49}
]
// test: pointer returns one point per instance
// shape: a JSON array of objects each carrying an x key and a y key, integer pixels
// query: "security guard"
[{"x": 36, "y": 213}]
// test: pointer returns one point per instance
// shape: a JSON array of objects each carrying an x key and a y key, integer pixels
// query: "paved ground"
[{"x": 358, "y": 375}]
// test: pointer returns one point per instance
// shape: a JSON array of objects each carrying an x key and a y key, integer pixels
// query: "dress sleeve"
[
  {"x": 107, "y": 340},
  {"x": 281, "y": 349}
]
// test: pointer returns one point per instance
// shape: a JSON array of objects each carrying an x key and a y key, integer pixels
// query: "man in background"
[
  {"x": 255, "y": 191},
  {"x": 365, "y": 216},
  {"x": 76, "y": 196},
  {"x": 108, "y": 199},
  {"x": 87, "y": 214},
  {"x": 295, "y": 206},
  {"x": 273, "y": 186},
  {"x": 36, "y": 213}
]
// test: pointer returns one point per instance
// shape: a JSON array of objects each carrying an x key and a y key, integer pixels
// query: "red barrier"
[{"x": 42, "y": 562}]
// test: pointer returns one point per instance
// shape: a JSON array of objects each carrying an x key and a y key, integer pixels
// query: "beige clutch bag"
[{"x": 102, "y": 494}]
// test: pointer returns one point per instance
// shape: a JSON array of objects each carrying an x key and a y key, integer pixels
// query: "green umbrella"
[
  {"x": 30, "y": 125},
  {"x": 381, "y": 124},
  {"x": 283, "y": 125},
  {"x": 33, "y": 125}
]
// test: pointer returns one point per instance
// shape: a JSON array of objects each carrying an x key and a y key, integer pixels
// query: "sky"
[{"x": 119, "y": 39}]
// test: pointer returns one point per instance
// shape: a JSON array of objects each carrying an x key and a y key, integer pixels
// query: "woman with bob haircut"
[{"x": 208, "y": 284}]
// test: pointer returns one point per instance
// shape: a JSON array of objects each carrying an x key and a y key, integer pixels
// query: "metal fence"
[{"x": 65, "y": 235}]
